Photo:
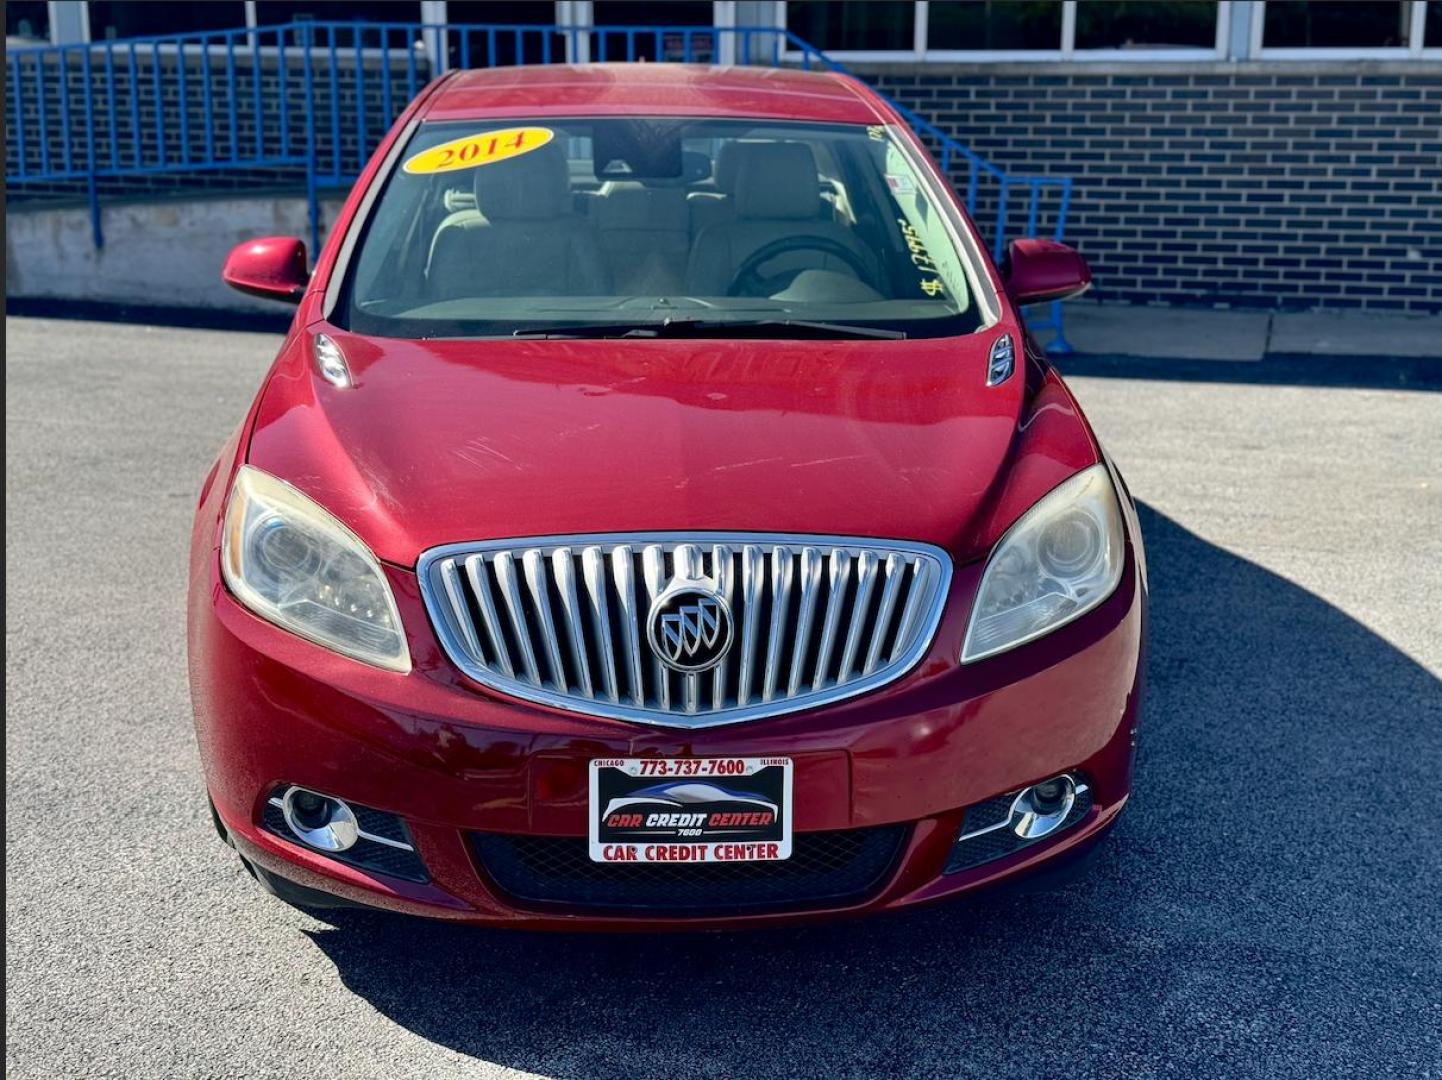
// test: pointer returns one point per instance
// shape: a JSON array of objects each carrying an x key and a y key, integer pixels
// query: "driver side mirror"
[
  {"x": 273, "y": 267},
  {"x": 1039, "y": 270}
]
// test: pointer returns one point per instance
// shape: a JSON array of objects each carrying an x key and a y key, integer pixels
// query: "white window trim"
[
  {"x": 1066, "y": 48},
  {"x": 1416, "y": 27}
]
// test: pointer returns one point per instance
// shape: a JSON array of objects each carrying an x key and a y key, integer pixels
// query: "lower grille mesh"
[{"x": 824, "y": 869}]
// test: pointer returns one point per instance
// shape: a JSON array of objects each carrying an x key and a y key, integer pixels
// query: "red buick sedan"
[{"x": 658, "y": 516}]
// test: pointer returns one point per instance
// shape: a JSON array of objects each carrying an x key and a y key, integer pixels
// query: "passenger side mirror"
[
  {"x": 1039, "y": 270},
  {"x": 273, "y": 267}
]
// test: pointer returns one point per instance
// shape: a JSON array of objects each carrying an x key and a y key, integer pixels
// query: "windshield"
[{"x": 602, "y": 226}]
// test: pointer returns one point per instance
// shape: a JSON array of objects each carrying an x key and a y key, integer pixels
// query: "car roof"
[{"x": 657, "y": 90}]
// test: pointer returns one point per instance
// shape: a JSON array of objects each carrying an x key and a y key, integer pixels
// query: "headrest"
[
  {"x": 534, "y": 185},
  {"x": 625, "y": 204},
  {"x": 455, "y": 199},
  {"x": 776, "y": 180},
  {"x": 723, "y": 172}
]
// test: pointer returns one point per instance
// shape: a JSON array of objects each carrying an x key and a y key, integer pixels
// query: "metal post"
[
  {"x": 15, "y": 99},
  {"x": 110, "y": 103},
  {"x": 999, "y": 244},
  {"x": 159, "y": 104},
  {"x": 44, "y": 121},
  {"x": 135, "y": 104},
  {"x": 205, "y": 98},
  {"x": 181, "y": 94},
  {"x": 312, "y": 202},
  {"x": 92, "y": 188},
  {"x": 360, "y": 101},
  {"x": 65, "y": 110},
  {"x": 334, "y": 102},
  {"x": 386, "y": 103},
  {"x": 233, "y": 114},
  {"x": 255, "y": 88}
]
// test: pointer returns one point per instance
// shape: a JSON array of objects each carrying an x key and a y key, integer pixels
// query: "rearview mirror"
[
  {"x": 1041, "y": 270},
  {"x": 272, "y": 266}
]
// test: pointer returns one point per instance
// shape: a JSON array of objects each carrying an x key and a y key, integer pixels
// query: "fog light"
[
  {"x": 319, "y": 821},
  {"x": 1042, "y": 808}
]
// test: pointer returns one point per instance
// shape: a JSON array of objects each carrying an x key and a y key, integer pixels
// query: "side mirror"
[
  {"x": 273, "y": 267},
  {"x": 1041, "y": 270}
]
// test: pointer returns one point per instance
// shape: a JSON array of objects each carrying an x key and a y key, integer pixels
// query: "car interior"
[{"x": 528, "y": 226}]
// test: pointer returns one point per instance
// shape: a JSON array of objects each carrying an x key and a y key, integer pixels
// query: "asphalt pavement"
[{"x": 1269, "y": 906}]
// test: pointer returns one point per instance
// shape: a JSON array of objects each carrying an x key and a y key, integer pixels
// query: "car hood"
[{"x": 446, "y": 441}]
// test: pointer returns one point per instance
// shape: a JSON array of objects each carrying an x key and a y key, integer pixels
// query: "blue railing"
[{"x": 307, "y": 103}]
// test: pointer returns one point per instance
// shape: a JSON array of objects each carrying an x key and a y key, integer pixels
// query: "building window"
[
  {"x": 279, "y": 12},
  {"x": 994, "y": 26},
  {"x": 1337, "y": 24},
  {"x": 138, "y": 19},
  {"x": 29, "y": 22},
  {"x": 643, "y": 46},
  {"x": 854, "y": 25},
  {"x": 1147, "y": 26},
  {"x": 1432, "y": 35},
  {"x": 1013, "y": 29},
  {"x": 472, "y": 48},
  {"x": 646, "y": 13}
]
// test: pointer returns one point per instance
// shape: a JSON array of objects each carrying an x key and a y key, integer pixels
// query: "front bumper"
[{"x": 459, "y": 763}]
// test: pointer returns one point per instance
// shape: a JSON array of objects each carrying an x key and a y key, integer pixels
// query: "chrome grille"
[{"x": 563, "y": 620}]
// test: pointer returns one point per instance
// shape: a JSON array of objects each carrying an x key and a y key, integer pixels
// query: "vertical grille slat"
[
  {"x": 752, "y": 581},
  {"x": 534, "y": 566},
  {"x": 593, "y": 572},
  {"x": 776, "y": 631},
  {"x": 564, "y": 572},
  {"x": 653, "y": 568},
  {"x": 865, "y": 581},
  {"x": 505, "y": 568},
  {"x": 567, "y": 621},
  {"x": 622, "y": 568},
  {"x": 688, "y": 568},
  {"x": 838, "y": 573},
  {"x": 451, "y": 579},
  {"x": 481, "y": 589},
  {"x": 810, "y": 589},
  {"x": 890, "y": 589},
  {"x": 914, "y": 609},
  {"x": 723, "y": 576}
]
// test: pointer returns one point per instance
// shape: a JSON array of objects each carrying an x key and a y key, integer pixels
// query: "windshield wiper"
[{"x": 713, "y": 328}]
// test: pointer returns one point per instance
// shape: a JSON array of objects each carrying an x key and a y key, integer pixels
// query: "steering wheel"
[{"x": 748, "y": 280}]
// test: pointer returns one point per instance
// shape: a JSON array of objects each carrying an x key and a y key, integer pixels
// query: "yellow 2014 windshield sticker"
[{"x": 475, "y": 150}]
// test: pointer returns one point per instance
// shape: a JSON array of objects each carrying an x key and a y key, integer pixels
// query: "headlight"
[
  {"x": 1062, "y": 558},
  {"x": 294, "y": 564}
]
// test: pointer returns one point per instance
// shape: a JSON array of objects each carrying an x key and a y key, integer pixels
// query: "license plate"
[{"x": 690, "y": 810}]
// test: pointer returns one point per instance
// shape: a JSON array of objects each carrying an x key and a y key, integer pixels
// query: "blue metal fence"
[{"x": 307, "y": 103}]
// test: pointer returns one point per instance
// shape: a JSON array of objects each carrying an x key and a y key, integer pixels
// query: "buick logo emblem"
[{"x": 689, "y": 628}]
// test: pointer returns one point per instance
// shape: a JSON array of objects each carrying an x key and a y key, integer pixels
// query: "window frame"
[
  {"x": 1416, "y": 28},
  {"x": 1066, "y": 48}
]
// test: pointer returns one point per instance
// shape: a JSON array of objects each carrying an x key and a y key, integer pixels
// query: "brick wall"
[{"x": 1273, "y": 185}]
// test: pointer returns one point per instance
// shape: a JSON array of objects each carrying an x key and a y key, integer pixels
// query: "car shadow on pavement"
[{"x": 1267, "y": 905}]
